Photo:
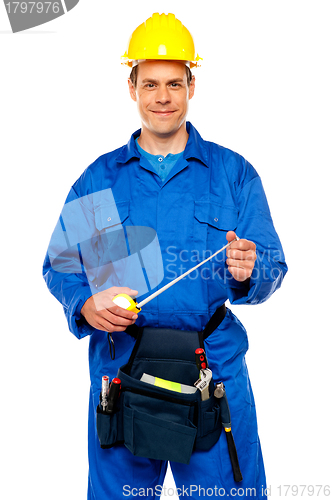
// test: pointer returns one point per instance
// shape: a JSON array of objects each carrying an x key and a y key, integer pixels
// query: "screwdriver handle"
[
  {"x": 201, "y": 360},
  {"x": 113, "y": 394}
]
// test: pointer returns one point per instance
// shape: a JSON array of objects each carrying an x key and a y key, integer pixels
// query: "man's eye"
[
  {"x": 175, "y": 85},
  {"x": 149, "y": 85}
]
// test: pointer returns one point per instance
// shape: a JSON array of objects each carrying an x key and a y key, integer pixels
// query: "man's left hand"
[{"x": 241, "y": 256}]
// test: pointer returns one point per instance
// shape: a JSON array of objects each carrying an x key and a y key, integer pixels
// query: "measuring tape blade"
[{"x": 127, "y": 302}]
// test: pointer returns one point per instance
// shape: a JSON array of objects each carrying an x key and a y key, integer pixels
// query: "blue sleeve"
[
  {"x": 63, "y": 269},
  {"x": 255, "y": 224}
]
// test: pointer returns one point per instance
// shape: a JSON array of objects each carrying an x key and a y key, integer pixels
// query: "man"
[{"x": 194, "y": 195}]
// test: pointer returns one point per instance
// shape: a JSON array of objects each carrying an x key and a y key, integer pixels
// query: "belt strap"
[
  {"x": 215, "y": 320},
  {"x": 213, "y": 323}
]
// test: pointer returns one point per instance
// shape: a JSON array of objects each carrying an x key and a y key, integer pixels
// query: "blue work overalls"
[{"x": 208, "y": 192}]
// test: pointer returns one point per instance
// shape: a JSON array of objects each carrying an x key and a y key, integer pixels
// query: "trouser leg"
[{"x": 209, "y": 474}]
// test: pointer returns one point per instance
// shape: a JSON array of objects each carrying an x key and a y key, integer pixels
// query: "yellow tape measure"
[{"x": 126, "y": 302}]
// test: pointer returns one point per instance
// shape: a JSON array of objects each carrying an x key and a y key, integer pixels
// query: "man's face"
[{"x": 162, "y": 95}]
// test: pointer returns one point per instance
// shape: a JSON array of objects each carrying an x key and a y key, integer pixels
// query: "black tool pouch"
[{"x": 158, "y": 423}]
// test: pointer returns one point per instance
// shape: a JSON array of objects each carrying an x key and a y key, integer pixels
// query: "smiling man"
[
  {"x": 196, "y": 196},
  {"x": 162, "y": 91}
]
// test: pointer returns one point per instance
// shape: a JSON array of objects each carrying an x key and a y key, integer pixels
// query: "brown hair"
[{"x": 133, "y": 76}]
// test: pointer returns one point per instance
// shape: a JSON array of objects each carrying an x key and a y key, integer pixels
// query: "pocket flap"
[
  {"x": 219, "y": 216},
  {"x": 109, "y": 215}
]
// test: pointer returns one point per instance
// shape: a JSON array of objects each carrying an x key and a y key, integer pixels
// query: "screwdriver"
[
  {"x": 104, "y": 392},
  {"x": 127, "y": 302},
  {"x": 114, "y": 393},
  {"x": 220, "y": 393},
  {"x": 201, "y": 360}
]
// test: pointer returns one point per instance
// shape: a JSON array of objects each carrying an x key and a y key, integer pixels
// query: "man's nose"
[{"x": 163, "y": 95}]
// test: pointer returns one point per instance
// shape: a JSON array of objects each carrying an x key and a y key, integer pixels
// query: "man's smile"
[{"x": 163, "y": 113}]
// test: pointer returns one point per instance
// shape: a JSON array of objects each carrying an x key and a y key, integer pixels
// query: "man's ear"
[
  {"x": 192, "y": 87},
  {"x": 132, "y": 90}
]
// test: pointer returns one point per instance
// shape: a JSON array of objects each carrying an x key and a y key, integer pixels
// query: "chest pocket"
[
  {"x": 215, "y": 215},
  {"x": 110, "y": 244},
  {"x": 212, "y": 221},
  {"x": 109, "y": 216}
]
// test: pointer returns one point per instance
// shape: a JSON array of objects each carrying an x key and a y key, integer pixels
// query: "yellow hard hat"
[{"x": 162, "y": 36}]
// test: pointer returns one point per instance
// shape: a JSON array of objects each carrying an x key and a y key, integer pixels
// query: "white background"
[{"x": 264, "y": 90}]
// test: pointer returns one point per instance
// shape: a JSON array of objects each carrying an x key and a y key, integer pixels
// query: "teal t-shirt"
[{"x": 162, "y": 164}]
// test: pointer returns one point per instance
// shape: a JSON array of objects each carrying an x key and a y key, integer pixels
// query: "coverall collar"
[{"x": 195, "y": 147}]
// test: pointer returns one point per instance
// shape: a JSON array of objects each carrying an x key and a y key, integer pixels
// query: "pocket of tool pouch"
[
  {"x": 158, "y": 429},
  {"x": 209, "y": 423},
  {"x": 107, "y": 428}
]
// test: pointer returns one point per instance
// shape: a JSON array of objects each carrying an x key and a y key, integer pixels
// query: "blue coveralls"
[{"x": 208, "y": 192}]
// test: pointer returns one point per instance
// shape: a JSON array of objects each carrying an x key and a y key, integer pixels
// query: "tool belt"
[{"x": 155, "y": 422}]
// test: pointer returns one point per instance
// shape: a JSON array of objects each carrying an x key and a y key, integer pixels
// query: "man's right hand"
[{"x": 101, "y": 312}]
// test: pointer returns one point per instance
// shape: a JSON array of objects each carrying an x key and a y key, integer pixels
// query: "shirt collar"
[{"x": 195, "y": 147}]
